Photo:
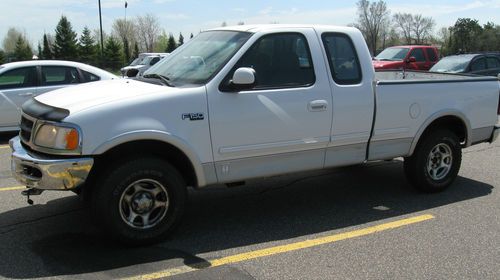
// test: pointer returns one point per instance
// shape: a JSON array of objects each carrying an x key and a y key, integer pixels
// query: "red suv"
[{"x": 406, "y": 57}]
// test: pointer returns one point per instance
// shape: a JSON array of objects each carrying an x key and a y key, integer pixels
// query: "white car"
[{"x": 20, "y": 81}]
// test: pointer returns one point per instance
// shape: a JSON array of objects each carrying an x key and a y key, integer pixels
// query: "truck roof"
[{"x": 254, "y": 28}]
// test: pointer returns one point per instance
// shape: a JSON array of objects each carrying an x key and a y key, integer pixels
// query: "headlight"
[{"x": 57, "y": 137}]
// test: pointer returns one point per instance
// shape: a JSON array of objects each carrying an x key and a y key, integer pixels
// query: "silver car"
[{"x": 19, "y": 81}]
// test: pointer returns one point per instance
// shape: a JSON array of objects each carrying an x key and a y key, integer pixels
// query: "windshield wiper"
[{"x": 164, "y": 79}]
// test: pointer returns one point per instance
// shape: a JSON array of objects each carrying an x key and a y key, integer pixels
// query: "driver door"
[{"x": 281, "y": 123}]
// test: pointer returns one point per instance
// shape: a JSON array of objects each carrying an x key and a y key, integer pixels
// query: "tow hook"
[{"x": 30, "y": 192}]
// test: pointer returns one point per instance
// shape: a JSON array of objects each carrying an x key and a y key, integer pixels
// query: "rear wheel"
[
  {"x": 139, "y": 201},
  {"x": 435, "y": 162}
]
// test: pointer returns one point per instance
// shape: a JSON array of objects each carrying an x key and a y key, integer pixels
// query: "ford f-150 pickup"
[{"x": 245, "y": 102}]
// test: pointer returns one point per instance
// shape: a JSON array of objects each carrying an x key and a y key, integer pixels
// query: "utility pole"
[{"x": 102, "y": 41}]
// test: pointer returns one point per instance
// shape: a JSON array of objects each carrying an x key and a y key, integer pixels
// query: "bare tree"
[
  {"x": 371, "y": 18},
  {"x": 414, "y": 28},
  {"x": 404, "y": 24},
  {"x": 148, "y": 29},
  {"x": 10, "y": 39},
  {"x": 422, "y": 28},
  {"x": 124, "y": 30}
]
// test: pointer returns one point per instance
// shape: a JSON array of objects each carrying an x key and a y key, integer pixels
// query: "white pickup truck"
[{"x": 245, "y": 102}]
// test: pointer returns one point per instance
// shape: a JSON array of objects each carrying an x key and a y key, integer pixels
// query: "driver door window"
[{"x": 280, "y": 61}]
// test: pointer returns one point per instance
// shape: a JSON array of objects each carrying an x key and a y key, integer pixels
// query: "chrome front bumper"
[
  {"x": 495, "y": 134},
  {"x": 47, "y": 173}
]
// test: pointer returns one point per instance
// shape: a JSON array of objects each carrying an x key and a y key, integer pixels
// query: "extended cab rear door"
[
  {"x": 281, "y": 124},
  {"x": 350, "y": 73}
]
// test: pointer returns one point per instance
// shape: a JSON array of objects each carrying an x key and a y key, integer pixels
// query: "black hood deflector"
[{"x": 42, "y": 111}]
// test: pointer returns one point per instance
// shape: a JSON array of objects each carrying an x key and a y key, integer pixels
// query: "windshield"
[
  {"x": 452, "y": 64},
  {"x": 146, "y": 60},
  {"x": 201, "y": 58},
  {"x": 135, "y": 62},
  {"x": 392, "y": 54}
]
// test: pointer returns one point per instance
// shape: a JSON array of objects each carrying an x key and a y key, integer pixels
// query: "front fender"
[{"x": 159, "y": 136}]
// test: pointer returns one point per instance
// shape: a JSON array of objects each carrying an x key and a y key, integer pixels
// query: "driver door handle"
[
  {"x": 26, "y": 94},
  {"x": 317, "y": 105}
]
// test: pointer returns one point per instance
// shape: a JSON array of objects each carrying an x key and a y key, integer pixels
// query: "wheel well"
[
  {"x": 149, "y": 147},
  {"x": 454, "y": 124}
]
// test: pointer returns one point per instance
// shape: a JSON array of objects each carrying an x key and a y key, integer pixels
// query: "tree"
[
  {"x": 224, "y": 24},
  {"x": 136, "y": 51},
  {"x": 65, "y": 45},
  {"x": 181, "y": 40},
  {"x": 489, "y": 40},
  {"x": 22, "y": 50},
  {"x": 46, "y": 50},
  {"x": 126, "y": 51},
  {"x": 422, "y": 28},
  {"x": 371, "y": 19},
  {"x": 125, "y": 30},
  {"x": 112, "y": 54},
  {"x": 10, "y": 39},
  {"x": 464, "y": 35},
  {"x": 191, "y": 36},
  {"x": 148, "y": 29},
  {"x": 40, "y": 51},
  {"x": 404, "y": 24},
  {"x": 161, "y": 42},
  {"x": 2, "y": 57},
  {"x": 171, "y": 46},
  {"x": 87, "y": 47}
]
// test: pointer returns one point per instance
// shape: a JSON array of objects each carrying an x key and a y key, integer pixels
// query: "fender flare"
[
  {"x": 440, "y": 114},
  {"x": 161, "y": 136}
]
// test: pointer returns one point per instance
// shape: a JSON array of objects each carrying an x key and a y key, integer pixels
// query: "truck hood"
[
  {"x": 81, "y": 97},
  {"x": 377, "y": 64}
]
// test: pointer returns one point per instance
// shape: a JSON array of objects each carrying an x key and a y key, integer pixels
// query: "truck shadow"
[
  {"x": 264, "y": 211},
  {"x": 6, "y": 136}
]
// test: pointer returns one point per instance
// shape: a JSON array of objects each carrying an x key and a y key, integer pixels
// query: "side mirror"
[
  {"x": 243, "y": 78},
  {"x": 132, "y": 73},
  {"x": 411, "y": 59}
]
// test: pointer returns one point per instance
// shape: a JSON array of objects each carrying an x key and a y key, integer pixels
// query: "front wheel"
[
  {"x": 435, "y": 162},
  {"x": 139, "y": 201}
]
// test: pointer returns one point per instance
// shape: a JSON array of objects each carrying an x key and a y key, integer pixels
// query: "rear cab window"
[{"x": 342, "y": 58}]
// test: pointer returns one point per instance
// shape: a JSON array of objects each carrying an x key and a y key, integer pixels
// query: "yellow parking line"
[
  {"x": 4, "y": 146},
  {"x": 12, "y": 188},
  {"x": 284, "y": 248}
]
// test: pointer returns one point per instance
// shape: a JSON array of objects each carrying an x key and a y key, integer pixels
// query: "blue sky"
[{"x": 188, "y": 16}]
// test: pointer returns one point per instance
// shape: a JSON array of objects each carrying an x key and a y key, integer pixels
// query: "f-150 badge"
[{"x": 193, "y": 116}]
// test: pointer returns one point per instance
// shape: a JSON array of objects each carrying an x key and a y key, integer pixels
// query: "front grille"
[{"x": 26, "y": 128}]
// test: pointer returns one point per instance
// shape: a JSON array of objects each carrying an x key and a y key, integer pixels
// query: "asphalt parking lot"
[{"x": 362, "y": 222}]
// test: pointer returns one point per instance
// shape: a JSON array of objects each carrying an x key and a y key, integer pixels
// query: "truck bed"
[{"x": 417, "y": 98}]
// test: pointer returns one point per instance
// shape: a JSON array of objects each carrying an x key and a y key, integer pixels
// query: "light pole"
[{"x": 100, "y": 24}]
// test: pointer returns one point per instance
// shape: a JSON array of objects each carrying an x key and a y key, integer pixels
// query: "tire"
[
  {"x": 139, "y": 201},
  {"x": 435, "y": 162}
]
